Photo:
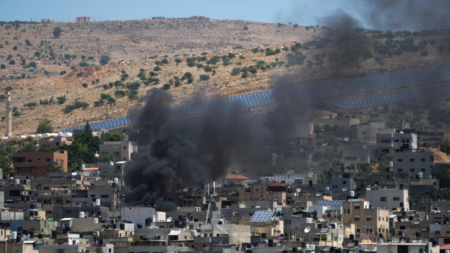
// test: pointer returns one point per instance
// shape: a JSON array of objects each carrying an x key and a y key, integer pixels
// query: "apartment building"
[
  {"x": 38, "y": 164},
  {"x": 390, "y": 142},
  {"x": 47, "y": 20},
  {"x": 370, "y": 222},
  {"x": 388, "y": 198},
  {"x": 55, "y": 142},
  {"x": 124, "y": 150},
  {"x": 418, "y": 163}
]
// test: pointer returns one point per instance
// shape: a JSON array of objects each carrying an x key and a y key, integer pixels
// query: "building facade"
[
  {"x": 84, "y": 19},
  {"x": 38, "y": 164}
]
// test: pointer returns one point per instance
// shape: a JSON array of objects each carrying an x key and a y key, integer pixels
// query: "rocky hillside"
[{"x": 192, "y": 56}]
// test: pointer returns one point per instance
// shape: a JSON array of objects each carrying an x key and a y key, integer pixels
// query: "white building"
[
  {"x": 391, "y": 142},
  {"x": 407, "y": 248}
]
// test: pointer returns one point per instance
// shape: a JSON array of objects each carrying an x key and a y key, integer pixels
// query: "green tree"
[
  {"x": 29, "y": 148},
  {"x": 114, "y": 137},
  {"x": 445, "y": 146},
  {"x": 44, "y": 127},
  {"x": 83, "y": 148},
  {"x": 108, "y": 157},
  {"x": 235, "y": 71},
  {"x": 104, "y": 59},
  {"x": 57, "y": 32},
  {"x": 85, "y": 85},
  {"x": 204, "y": 77},
  {"x": 5, "y": 164}
]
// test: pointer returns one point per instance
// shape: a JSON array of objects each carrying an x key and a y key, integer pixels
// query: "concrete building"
[
  {"x": 37, "y": 164},
  {"x": 342, "y": 183},
  {"x": 391, "y": 142},
  {"x": 390, "y": 199},
  {"x": 124, "y": 150},
  {"x": 55, "y": 142},
  {"x": 84, "y": 19},
  {"x": 406, "y": 247},
  {"x": 8, "y": 116},
  {"x": 369, "y": 132},
  {"x": 47, "y": 20},
  {"x": 418, "y": 164},
  {"x": 369, "y": 222},
  {"x": 355, "y": 159},
  {"x": 296, "y": 151}
]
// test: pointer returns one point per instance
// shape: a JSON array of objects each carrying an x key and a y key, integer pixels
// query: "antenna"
[{"x": 307, "y": 229}]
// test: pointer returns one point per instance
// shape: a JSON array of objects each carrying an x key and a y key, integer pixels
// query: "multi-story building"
[
  {"x": 418, "y": 164},
  {"x": 84, "y": 19},
  {"x": 38, "y": 164},
  {"x": 369, "y": 132},
  {"x": 389, "y": 198},
  {"x": 355, "y": 159},
  {"x": 124, "y": 150},
  {"x": 370, "y": 222},
  {"x": 391, "y": 142}
]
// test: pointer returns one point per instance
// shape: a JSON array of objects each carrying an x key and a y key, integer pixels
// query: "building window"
[
  {"x": 357, "y": 207},
  {"x": 431, "y": 158},
  {"x": 369, "y": 217},
  {"x": 383, "y": 199},
  {"x": 357, "y": 218},
  {"x": 400, "y": 160},
  {"x": 385, "y": 141},
  {"x": 59, "y": 251},
  {"x": 422, "y": 170},
  {"x": 358, "y": 230},
  {"x": 437, "y": 232},
  {"x": 124, "y": 147},
  {"x": 411, "y": 170},
  {"x": 48, "y": 160},
  {"x": 396, "y": 198},
  {"x": 422, "y": 159},
  {"x": 344, "y": 182},
  {"x": 400, "y": 170},
  {"x": 411, "y": 160},
  {"x": 104, "y": 196},
  {"x": 402, "y": 227}
]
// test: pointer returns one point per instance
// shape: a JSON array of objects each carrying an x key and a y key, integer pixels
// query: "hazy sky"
[{"x": 303, "y": 12}]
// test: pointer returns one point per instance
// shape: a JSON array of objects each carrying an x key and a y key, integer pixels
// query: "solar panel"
[
  {"x": 335, "y": 203},
  {"x": 262, "y": 216},
  {"x": 370, "y": 82}
]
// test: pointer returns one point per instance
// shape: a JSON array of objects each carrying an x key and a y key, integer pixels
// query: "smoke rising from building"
[{"x": 187, "y": 152}]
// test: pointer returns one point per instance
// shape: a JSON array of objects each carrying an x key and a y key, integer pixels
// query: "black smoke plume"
[{"x": 184, "y": 152}]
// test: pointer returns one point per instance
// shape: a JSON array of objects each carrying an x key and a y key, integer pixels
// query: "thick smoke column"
[{"x": 186, "y": 152}]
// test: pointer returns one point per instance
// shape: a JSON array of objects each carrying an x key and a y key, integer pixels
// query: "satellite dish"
[
  {"x": 344, "y": 189},
  {"x": 169, "y": 219},
  {"x": 307, "y": 229}
]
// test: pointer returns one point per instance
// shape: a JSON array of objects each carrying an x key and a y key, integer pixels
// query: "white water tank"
[
  {"x": 83, "y": 167},
  {"x": 391, "y": 164},
  {"x": 327, "y": 188},
  {"x": 352, "y": 193},
  {"x": 17, "y": 181},
  {"x": 312, "y": 246},
  {"x": 81, "y": 214},
  {"x": 194, "y": 233},
  {"x": 98, "y": 202},
  {"x": 307, "y": 246},
  {"x": 420, "y": 175},
  {"x": 116, "y": 180},
  {"x": 309, "y": 220},
  {"x": 14, "y": 235}
]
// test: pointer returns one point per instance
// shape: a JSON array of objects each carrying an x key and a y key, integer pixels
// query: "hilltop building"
[
  {"x": 47, "y": 20},
  {"x": 83, "y": 19}
]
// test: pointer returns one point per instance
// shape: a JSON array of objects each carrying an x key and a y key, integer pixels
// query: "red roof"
[
  {"x": 90, "y": 168},
  {"x": 445, "y": 246},
  {"x": 235, "y": 176},
  {"x": 276, "y": 184}
]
